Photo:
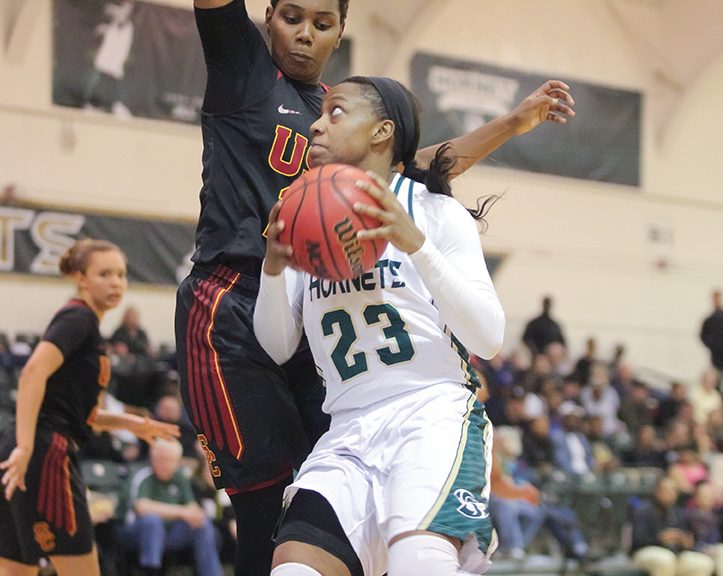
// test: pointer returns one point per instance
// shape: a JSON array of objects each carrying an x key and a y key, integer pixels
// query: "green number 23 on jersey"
[{"x": 394, "y": 331}]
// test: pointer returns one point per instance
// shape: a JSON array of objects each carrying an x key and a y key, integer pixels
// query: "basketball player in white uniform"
[{"x": 400, "y": 483}]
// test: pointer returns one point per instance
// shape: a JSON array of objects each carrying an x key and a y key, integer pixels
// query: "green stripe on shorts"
[{"x": 463, "y": 504}]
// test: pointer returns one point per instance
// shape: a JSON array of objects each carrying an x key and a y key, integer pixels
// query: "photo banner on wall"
[
  {"x": 602, "y": 142},
  {"x": 133, "y": 58},
  {"x": 32, "y": 240}
]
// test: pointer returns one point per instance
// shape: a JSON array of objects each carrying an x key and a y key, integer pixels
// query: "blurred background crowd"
[{"x": 591, "y": 459}]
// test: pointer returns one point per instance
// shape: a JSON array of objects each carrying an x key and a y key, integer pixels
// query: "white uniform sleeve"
[
  {"x": 278, "y": 322},
  {"x": 452, "y": 265}
]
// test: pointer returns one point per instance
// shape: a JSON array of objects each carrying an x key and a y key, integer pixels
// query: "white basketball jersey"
[{"x": 380, "y": 335}]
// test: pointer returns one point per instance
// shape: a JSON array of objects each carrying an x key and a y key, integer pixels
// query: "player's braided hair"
[{"x": 343, "y": 9}]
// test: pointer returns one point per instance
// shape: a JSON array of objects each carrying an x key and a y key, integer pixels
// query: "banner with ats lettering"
[
  {"x": 601, "y": 143},
  {"x": 32, "y": 239},
  {"x": 133, "y": 58}
]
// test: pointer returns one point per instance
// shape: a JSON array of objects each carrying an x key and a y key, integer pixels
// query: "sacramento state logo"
[{"x": 470, "y": 506}]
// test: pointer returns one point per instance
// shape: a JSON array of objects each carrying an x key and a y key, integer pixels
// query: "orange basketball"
[{"x": 321, "y": 225}]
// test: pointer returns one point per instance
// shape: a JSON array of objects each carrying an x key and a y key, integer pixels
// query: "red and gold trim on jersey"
[
  {"x": 55, "y": 500},
  {"x": 211, "y": 408}
]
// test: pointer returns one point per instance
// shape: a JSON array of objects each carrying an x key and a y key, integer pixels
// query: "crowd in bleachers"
[{"x": 581, "y": 445}]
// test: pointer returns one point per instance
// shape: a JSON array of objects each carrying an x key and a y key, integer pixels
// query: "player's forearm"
[
  {"x": 31, "y": 391},
  {"x": 275, "y": 326},
  {"x": 472, "y": 147},
  {"x": 106, "y": 421}
]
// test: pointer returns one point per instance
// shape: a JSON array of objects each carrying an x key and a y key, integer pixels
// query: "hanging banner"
[
  {"x": 602, "y": 142},
  {"x": 32, "y": 240},
  {"x": 132, "y": 58}
]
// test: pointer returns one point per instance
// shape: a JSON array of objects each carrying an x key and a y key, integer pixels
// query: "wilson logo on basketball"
[
  {"x": 353, "y": 250},
  {"x": 321, "y": 225},
  {"x": 316, "y": 259}
]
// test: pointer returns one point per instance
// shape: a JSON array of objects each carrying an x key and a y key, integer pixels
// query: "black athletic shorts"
[
  {"x": 51, "y": 517},
  {"x": 256, "y": 421}
]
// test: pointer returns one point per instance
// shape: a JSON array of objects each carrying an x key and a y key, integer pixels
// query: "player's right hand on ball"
[{"x": 277, "y": 254}]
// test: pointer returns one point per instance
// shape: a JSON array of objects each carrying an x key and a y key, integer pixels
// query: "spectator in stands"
[
  {"x": 169, "y": 408},
  {"x": 704, "y": 521},
  {"x": 604, "y": 447},
  {"x": 21, "y": 349},
  {"x": 598, "y": 398},
  {"x": 6, "y": 357},
  {"x": 571, "y": 389},
  {"x": 678, "y": 437},
  {"x": 662, "y": 541},
  {"x": 705, "y": 397},
  {"x": 163, "y": 515},
  {"x": 688, "y": 471},
  {"x": 136, "y": 380},
  {"x": 553, "y": 397},
  {"x": 542, "y": 330},
  {"x": 533, "y": 381},
  {"x": 705, "y": 444},
  {"x": 540, "y": 369},
  {"x": 514, "y": 409},
  {"x": 500, "y": 375},
  {"x": 573, "y": 453},
  {"x": 715, "y": 428},
  {"x": 102, "y": 445},
  {"x": 585, "y": 362},
  {"x": 560, "y": 365},
  {"x": 647, "y": 451},
  {"x": 617, "y": 357},
  {"x": 130, "y": 337},
  {"x": 670, "y": 406},
  {"x": 622, "y": 378},
  {"x": 537, "y": 450},
  {"x": 635, "y": 410},
  {"x": 515, "y": 507},
  {"x": 711, "y": 332},
  {"x": 219, "y": 510}
]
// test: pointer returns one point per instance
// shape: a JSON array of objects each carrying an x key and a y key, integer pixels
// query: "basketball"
[{"x": 321, "y": 225}]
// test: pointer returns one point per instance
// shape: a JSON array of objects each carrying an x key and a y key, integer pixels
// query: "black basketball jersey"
[
  {"x": 72, "y": 391},
  {"x": 255, "y": 124}
]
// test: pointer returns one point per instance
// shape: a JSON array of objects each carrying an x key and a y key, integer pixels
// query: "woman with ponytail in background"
[{"x": 59, "y": 393}]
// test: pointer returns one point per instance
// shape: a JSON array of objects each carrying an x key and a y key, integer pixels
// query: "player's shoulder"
[
  {"x": 76, "y": 310},
  {"x": 436, "y": 202}
]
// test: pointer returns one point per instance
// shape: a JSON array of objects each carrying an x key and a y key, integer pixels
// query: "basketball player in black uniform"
[
  {"x": 255, "y": 420},
  {"x": 58, "y": 398}
]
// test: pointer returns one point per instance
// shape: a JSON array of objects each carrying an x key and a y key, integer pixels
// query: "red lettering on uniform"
[
  {"x": 44, "y": 536},
  {"x": 282, "y": 161},
  {"x": 210, "y": 456}
]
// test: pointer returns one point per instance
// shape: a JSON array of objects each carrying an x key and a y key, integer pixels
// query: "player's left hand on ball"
[
  {"x": 396, "y": 225},
  {"x": 551, "y": 102},
  {"x": 15, "y": 468},
  {"x": 277, "y": 254}
]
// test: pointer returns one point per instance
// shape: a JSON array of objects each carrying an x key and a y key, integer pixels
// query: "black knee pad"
[{"x": 311, "y": 519}]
